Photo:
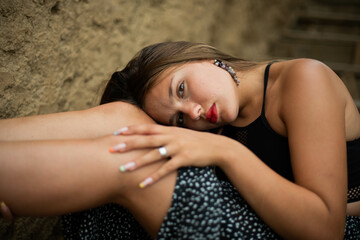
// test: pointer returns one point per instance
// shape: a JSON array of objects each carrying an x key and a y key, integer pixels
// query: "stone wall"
[{"x": 56, "y": 54}]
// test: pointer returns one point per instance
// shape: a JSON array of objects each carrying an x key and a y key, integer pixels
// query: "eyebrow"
[{"x": 171, "y": 96}]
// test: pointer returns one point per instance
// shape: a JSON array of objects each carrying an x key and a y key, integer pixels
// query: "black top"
[{"x": 273, "y": 149}]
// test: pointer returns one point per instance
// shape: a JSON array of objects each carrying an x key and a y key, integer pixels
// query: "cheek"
[{"x": 204, "y": 93}]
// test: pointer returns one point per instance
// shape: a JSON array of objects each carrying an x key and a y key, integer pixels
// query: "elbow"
[
  {"x": 339, "y": 231},
  {"x": 328, "y": 227},
  {"x": 335, "y": 218},
  {"x": 329, "y": 232},
  {"x": 335, "y": 229}
]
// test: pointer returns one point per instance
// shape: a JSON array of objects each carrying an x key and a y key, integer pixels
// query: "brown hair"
[{"x": 133, "y": 82}]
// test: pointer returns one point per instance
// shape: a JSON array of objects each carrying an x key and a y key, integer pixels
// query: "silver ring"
[{"x": 162, "y": 151}]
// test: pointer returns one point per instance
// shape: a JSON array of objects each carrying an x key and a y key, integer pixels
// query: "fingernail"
[
  {"x": 5, "y": 212},
  {"x": 3, "y": 207},
  {"x": 146, "y": 182},
  {"x": 117, "y": 147},
  {"x": 127, "y": 166},
  {"x": 121, "y": 130}
]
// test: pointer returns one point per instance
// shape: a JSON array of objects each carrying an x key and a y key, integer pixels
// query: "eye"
[
  {"x": 181, "y": 90},
  {"x": 180, "y": 119}
]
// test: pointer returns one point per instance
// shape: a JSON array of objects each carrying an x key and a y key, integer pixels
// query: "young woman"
[
  {"x": 298, "y": 121},
  {"x": 292, "y": 171}
]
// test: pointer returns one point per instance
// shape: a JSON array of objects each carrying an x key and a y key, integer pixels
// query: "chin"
[{"x": 232, "y": 118}]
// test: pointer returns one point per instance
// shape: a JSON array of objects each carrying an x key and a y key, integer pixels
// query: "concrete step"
[
  {"x": 326, "y": 21},
  {"x": 316, "y": 50},
  {"x": 339, "y": 2},
  {"x": 327, "y": 30},
  {"x": 336, "y": 6},
  {"x": 340, "y": 67},
  {"x": 332, "y": 17},
  {"x": 328, "y": 47},
  {"x": 322, "y": 36}
]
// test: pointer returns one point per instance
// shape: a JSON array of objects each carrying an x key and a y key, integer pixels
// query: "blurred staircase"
[{"x": 327, "y": 30}]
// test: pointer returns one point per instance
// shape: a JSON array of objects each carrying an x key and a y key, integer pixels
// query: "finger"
[
  {"x": 168, "y": 167},
  {"x": 142, "y": 129},
  {"x": 150, "y": 157},
  {"x": 140, "y": 142},
  {"x": 5, "y": 212}
]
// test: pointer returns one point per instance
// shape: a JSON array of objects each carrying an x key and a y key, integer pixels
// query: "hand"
[
  {"x": 184, "y": 147},
  {"x": 5, "y": 212}
]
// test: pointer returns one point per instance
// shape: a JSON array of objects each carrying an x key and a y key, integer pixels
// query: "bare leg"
[{"x": 52, "y": 177}]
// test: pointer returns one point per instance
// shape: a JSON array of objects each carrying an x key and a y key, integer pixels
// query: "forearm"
[
  {"x": 291, "y": 210},
  {"x": 55, "y": 177}
]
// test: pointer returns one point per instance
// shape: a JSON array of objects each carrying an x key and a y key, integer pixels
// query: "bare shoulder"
[
  {"x": 308, "y": 87},
  {"x": 304, "y": 77},
  {"x": 304, "y": 70}
]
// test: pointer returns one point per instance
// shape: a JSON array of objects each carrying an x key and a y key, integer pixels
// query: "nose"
[{"x": 193, "y": 110}]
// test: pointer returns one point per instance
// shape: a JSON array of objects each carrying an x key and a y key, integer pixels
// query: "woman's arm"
[
  {"x": 314, "y": 206},
  {"x": 93, "y": 122}
]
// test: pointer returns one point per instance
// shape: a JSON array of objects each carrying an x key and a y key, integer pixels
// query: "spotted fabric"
[
  {"x": 110, "y": 221},
  {"x": 352, "y": 228},
  {"x": 203, "y": 207}
]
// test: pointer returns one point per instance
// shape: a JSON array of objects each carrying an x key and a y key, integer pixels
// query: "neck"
[{"x": 250, "y": 95}]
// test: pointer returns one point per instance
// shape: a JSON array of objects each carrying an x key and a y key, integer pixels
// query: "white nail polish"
[
  {"x": 146, "y": 182},
  {"x": 127, "y": 166},
  {"x": 119, "y": 147},
  {"x": 121, "y": 130}
]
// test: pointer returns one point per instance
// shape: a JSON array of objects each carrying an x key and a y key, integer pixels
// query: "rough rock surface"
[{"x": 56, "y": 54}]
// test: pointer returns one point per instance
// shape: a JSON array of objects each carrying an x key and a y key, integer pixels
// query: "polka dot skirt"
[
  {"x": 110, "y": 221},
  {"x": 203, "y": 207}
]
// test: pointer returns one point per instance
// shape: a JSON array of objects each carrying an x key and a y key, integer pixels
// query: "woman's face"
[{"x": 197, "y": 95}]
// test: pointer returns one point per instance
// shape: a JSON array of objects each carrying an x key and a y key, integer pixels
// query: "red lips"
[{"x": 212, "y": 114}]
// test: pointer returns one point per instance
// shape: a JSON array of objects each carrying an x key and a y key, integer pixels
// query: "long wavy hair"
[{"x": 133, "y": 82}]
